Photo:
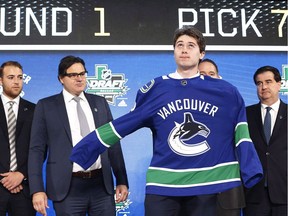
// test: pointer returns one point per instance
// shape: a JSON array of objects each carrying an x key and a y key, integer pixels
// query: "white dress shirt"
[
  {"x": 75, "y": 126},
  {"x": 273, "y": 113},
  {"x": 6, "y": 100}
]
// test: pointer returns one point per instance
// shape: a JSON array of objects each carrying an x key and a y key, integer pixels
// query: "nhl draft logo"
[
  {"x": 106, "y": 84},
  {"x": 182, "y": 133},
  {"x": 122, "y": 207},
  {"x": 284, "y": 80}
]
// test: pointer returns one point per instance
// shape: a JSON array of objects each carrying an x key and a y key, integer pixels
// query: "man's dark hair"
[
  {"x": 67, "y": 62},
  {"x": 192, "y": 32},
  {"x": 10, "y": 63},
  {"x": 275, "y": 71},
  {"x": 212, "y": 62}
]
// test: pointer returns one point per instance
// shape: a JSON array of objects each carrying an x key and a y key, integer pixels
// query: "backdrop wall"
[{"x": 134, "y": 44}]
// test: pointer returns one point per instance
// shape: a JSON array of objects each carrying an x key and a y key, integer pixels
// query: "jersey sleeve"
[
  {"x": 86, "y": 152},
  {"x": 250, "y": 165}
]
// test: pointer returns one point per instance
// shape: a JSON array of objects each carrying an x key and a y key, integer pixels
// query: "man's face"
[
  {"x": 77, "y": 84},
  {"x": 267, "y": 88},
  {"x": 12, "y": 81},
  {"x": 208, "y": 69},
  {"x": 187, "y": 52}
]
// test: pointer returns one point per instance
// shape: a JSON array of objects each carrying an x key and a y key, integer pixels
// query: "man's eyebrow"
[{"x": 180, "y": 41}]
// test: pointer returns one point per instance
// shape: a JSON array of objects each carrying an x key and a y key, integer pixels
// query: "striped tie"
[{"x": 11, "y": 134}]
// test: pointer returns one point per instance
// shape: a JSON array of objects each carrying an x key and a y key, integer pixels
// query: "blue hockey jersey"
[{"x": 201, "y": 143}]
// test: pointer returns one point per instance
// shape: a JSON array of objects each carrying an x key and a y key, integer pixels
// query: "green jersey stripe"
[
  {"x": 242, "y": 133},
  {"x": 190, "y": 177},
  {"x": 108, "y": 135}
]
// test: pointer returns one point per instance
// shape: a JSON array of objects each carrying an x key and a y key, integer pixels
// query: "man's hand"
[
  {"x": 17, "y": 189},
  {"x": 12, "y": 181},
  {"x": 121, "y": 193},
  {"x": 40, "y": 202}
]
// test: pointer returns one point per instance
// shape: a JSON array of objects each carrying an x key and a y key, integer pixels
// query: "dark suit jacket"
[
  {"x": 273, "y": 156},
  {"x": 23, "y": 129},
  {"x": 51, "y": 133}
]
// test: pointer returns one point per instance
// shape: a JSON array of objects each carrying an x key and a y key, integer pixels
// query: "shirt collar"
[
  {"x": 5, "y": 99},
  {"x": 68, "y": 97},
  {"x": 274, "y": 106},
  {"x": 176, "y": 75}
]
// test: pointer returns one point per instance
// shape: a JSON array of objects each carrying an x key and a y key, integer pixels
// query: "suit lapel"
[
  {"x": 21, "y": 116},
  {"x": 96, "y": 115},
  {"x": 94, "y": 109},
  {"x": 62, "y": 114},
  {"x": 258, "y": 120},
  {"x": 281, "y": 117},
  {"x": 3, "y": 121}
]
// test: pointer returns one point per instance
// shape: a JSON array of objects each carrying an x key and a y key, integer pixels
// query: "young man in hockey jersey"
[
  {"x": 197, "y": 123},
  {"x": 229, "y": 202}
]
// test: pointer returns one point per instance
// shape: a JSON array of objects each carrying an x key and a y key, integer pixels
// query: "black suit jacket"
[
  {"x": 273, "y": 156},
  {"x": 23, "y": 129},
  {"x": 51, "y": 134}
]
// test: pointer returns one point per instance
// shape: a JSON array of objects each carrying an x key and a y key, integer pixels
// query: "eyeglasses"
[{"x": 75, "y": 75}]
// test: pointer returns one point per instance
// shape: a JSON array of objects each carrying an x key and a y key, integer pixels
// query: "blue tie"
[{"x": 267, "y": 124}]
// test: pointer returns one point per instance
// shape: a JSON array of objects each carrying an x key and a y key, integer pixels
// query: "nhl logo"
[{"x": 106, "y": 74}]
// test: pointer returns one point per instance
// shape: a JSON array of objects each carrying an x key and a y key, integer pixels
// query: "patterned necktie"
[
  {"x": 84, "y": 126},
  {"x": 12, "y": 135},
  {"x": 267, "y": 124}
]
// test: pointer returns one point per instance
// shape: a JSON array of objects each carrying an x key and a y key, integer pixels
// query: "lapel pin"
[{"x": 95, "y": 110}]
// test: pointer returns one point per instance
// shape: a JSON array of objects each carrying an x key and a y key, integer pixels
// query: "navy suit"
[
  {"x": 273, "y": 155},
  {"x": 23, "y": 129},
  {"x": 51, "y": 134}
]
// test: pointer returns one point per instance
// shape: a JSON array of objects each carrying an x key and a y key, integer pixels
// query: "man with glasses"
[{"x": 60, "y": 121}]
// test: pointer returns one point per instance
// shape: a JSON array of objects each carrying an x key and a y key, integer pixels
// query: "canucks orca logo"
[{"x": 182, "y": 133}]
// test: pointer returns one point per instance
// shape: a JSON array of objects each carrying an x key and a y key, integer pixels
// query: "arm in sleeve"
[
  {"x": 37, "y": 150},
  {"x": 250, "y": 165},
  {"x": 90, "y": 147}
]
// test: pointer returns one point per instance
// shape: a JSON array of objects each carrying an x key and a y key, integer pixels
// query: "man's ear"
[
  {"x": 202, "y": 54},
  {"x": 60, "y": 79}
]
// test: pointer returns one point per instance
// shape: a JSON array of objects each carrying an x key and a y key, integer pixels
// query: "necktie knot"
[
  {"x": 11, "y": 103},
  {"x": 268, "y": 109},
  {"x": 77, "y": 99}
]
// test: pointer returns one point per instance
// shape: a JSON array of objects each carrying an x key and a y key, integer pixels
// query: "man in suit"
[
  {"x": 56, "y": 129},
  {"x": 269, "y": 196},
  {"x": 208, "y": 67},
  {"x": 230, "y": 202},
  {"x": 15, "y": 197}
]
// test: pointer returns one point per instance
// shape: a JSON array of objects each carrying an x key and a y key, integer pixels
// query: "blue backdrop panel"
[{"x": 41, "y": 68}]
